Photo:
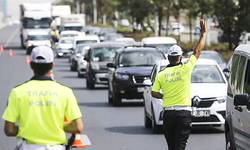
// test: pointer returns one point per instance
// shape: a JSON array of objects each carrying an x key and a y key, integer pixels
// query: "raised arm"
[{"x": 201, "y": 42}]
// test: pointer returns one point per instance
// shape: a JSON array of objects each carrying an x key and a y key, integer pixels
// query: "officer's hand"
[{"x": 203, "y": 28}]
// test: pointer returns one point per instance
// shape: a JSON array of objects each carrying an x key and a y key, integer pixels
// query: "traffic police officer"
[
  {"x": 174, "y": 81},
  {"x": 39, "y": 106}
]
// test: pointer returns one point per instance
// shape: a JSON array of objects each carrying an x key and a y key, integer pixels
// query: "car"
[
  {"x": 64, "y": 46},
  {"x": 97, "y": 57},
  {"x": 163, "y": 43},
  {"x": 105, "y": 31},
  {"x": 93, "y": 30},
  {"x": 237, "y": 128},
  {"x": 69, "y": 33},
  {"x": 208, "y": 84},
  {"x": 210, "y": 54},
  {"x": 176, "y": 28},
  {"x": 88, "y": 39},
  {"x": 112, "y": 36},
  {"x": 131, "y": 65},
  {"x": 77, "y": 54},
  {"x": 81, "y": 63},
  {"x": 37, "y": 38},
  {"x": 126, "y": 40}
]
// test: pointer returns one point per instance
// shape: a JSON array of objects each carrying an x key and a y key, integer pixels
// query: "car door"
[
  {"x": 147, "y": 91},
  {"x": 238, "y": 116},
  {"x": 111, "y": 71}
]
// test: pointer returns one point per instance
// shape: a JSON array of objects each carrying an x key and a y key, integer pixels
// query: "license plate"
[
  {"x": 202, "y": 113},
  {"x": 140, "y": 89}
]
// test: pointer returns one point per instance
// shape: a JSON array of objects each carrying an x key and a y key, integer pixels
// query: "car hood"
[
  {"x": 135, "y": 70},
  {"x": 65, "y": 46},
  {"x": 38, "y": 43},
  {"x": 206, "y": 90}
]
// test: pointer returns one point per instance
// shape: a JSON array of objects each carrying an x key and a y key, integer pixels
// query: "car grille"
[
  {"x": 139, "y": 79},
  {"x": 103, "y": 79},
  {"x": 206, "y": 103},
  {"x": 212, "y": 118}
]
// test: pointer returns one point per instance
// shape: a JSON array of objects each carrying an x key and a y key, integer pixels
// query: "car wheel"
[
  {"x": 229, "y": 144},
  {"x": 79, "y": 74},
  {"x": 110, "y": 98},
  {"x": 117, "y": 100},
  {"x": 147, "y": 120},
  {"x": 156, "y": 128},
  {"x": 89, "y": 84}
]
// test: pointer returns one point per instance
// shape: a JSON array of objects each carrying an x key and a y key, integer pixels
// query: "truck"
[
  {"x": 73, "y": 22},
  {"x": 59, "y": 11},
  {"x": 34, "y": 16}
]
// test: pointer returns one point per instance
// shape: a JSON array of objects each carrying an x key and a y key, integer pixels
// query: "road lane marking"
[{"x": 11, "y": 37}]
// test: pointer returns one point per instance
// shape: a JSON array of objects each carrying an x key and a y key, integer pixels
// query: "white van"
[
  {"x": 237, "y": 121},
  {"x": 88, "y": 39},
  {"x": 162, "y": 43}
]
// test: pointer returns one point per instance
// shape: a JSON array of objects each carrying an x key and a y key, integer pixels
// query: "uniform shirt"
[
  {"x": 40, "y": 106},
  {"x": 175, "y": 84}
]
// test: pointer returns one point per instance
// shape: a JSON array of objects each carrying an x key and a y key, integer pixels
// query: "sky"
[{"x": 13, "y": 7}]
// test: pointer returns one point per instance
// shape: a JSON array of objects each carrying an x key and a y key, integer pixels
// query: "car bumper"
[
  {"x": 216, "y": 117},
  {"x": 101, "y": 78},
  {"x": 63, "y": 53},
  {"x": 129, "y": 91}
]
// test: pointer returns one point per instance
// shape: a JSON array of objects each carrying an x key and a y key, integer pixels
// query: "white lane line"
[{"x": 11, "y": 37}]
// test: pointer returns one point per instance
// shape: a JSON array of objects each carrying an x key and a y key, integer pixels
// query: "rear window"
[
  {"x": 103, "y": 54},
  {"x": 85, "y": 41}
]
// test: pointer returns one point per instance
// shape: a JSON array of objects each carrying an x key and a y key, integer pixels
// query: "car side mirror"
[
  {"x": 241, "y": 100},
  {"x": 226, "y": 70},
  {"x": 147, "y": 82},
  {"x": 110, "y": 65}
]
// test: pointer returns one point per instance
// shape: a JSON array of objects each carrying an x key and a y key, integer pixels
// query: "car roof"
[
  {"x": 125, "y": 39},
  {"x": 204, "y": 51},
  {"x": 138, "y": 49},
  {"x": 67, "y": 38},
  {"x": 200, "y": 61},
  {"x": 159, "y": 40},
  {"x": 69, "y": 31},
  {"x": 87, "y": 37},
  {"x": 243, "y": 48},
  {"x": 107, "y": 44}
]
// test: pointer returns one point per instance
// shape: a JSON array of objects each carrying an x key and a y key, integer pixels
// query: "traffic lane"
[
  {"x": 122, "y": 127},
  {"x": 13, "y": 71}
]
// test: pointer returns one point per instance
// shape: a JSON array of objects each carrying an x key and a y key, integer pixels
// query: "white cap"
[
  {"x": 175, "y": 50},
  {"x": 42, "y": 55}
]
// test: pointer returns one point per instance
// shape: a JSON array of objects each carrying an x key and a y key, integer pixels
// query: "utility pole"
[{"x": 95, "y": 11}]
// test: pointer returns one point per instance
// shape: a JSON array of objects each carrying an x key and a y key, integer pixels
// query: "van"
[
  {"x": 237, "y": 121},
  {"x": 162, "y": 43}
]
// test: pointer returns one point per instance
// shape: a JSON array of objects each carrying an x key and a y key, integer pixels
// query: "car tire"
[
  {"x": 110, "y": 98},
  {"x": 117, "y": 100},
  {"x": 79, "y": 75},
  {"x": 156, "y": 128},
  {"x": 147, "y": 120},
  {"x": 229, "y": 143},
  {"x": 89, "y": 84}
]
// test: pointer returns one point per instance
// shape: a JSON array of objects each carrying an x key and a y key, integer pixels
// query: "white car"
[
  {"x": 82, "y": 64},
  {"x": 129, "y": 41},
  {"x": 69, "y": 33},
  {"x": 64, "y": 46},
  {"x": 38, "y": 38},
  {"x": 88, "y": 39},
  {"x": 162, "y": 43},
  {"x": 208, "y": 84}
]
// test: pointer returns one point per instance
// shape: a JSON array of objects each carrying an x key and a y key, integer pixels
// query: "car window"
[
  {"x": 235, "y": 61},
  {"x": 153, "y": 73},
  {"x": 213, "y": 56},
  {"x": 206, "y": 74},
  {"x": 85, "y": 41},
  {"x": 103, "y": 54},
  {"x": 66, "y": 41},
  {"x": 239, "y": 73},
  {"x": 140, "y": 58},
  {"x": 38, "y": 37},
  {"x": 247, "y": 79},
  {"x": 69, "y": 35},
  {"x": 162, "y": 47}
]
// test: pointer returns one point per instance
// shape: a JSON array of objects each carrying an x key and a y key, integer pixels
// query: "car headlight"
[
  {"x": 48, "y": 44},
  {"x": 121, "y": 76},
  {"x": 221, "y": 99},
  {"x": 95, "y": 67},
  {"x": 84, "y": 63},
  {"x": 30, "y": 44}
]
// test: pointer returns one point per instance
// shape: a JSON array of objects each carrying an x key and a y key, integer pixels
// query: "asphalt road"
[{"x": 108, "y": 127}]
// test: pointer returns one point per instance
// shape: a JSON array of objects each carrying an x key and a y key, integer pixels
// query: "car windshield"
[
  {"x": 37, "y": 24},
  {"x": 38, "y": 37},
  {"x": 206, "y": 74},
  {"x": 103, "y": 54},
  {"x": 162, "y": 47},
  {"x": 66, "y": 41},
  {"x": 85, "y": 41},
  {"x": 84, "y": 51},
  {"x": 69, "y": 35},
  {"x": 75, "y": 28},
  {"x": 143, "y": 58}
]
